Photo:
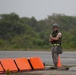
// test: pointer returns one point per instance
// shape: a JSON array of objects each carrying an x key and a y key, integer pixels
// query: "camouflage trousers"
[{"x": 54, "y": 55}]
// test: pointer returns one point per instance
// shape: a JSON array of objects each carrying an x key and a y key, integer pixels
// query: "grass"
[
  {"x": 31, "y": 74},
  {"x": 33, "y": 49},
  {"x": 23, "y": 74}
]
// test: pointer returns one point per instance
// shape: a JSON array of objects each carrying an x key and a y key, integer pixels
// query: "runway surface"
[{"x": 67, "y": 58}]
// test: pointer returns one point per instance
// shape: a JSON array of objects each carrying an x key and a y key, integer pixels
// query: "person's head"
[{"x": 55, "y": 27}]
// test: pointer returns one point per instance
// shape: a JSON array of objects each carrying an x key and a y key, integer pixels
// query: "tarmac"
[{"x": 67, "y": 59}]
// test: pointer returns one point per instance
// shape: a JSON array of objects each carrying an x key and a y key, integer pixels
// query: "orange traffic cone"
[{"x": 59, "y": 62}]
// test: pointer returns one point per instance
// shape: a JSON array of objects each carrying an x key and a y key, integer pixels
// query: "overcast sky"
[{"x": 40, "y": 9}]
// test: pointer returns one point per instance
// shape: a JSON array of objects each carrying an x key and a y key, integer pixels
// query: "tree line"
[{"x": 23, "y": 32}]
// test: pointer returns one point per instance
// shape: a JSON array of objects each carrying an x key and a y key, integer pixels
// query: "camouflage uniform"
[
  {"x": 54, "y": 48},
  {"x": 55, "y": 39},
  {"x": 55, "y": 55}
]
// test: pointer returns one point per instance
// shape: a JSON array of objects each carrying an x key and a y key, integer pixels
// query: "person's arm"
[
  {"x": 57, "y": 37},
  {"x": 50, "y": 39}
]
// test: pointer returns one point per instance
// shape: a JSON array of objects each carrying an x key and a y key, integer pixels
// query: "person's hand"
[{"x": 50, "y": 40}]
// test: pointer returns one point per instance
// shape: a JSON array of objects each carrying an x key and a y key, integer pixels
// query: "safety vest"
[{"x": 54, "y": 34}]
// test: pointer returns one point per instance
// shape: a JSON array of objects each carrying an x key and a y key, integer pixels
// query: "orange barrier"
[
  {"x": 36, "y": 63},
  {"x": 1, "y": 69},
  {"x": 22, "y": 64},
  {"x": 59, "y": 62},
  {"x": 8, "y": 64}
]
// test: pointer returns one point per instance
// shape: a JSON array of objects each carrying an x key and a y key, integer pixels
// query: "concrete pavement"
[{"x": 67, "y": 58}]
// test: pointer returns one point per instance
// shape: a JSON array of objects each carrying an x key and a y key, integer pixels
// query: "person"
[{"x": 55, "y": 39}]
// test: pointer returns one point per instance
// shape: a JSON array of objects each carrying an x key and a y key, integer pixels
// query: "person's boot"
[{"x": 55, "y": 66}]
